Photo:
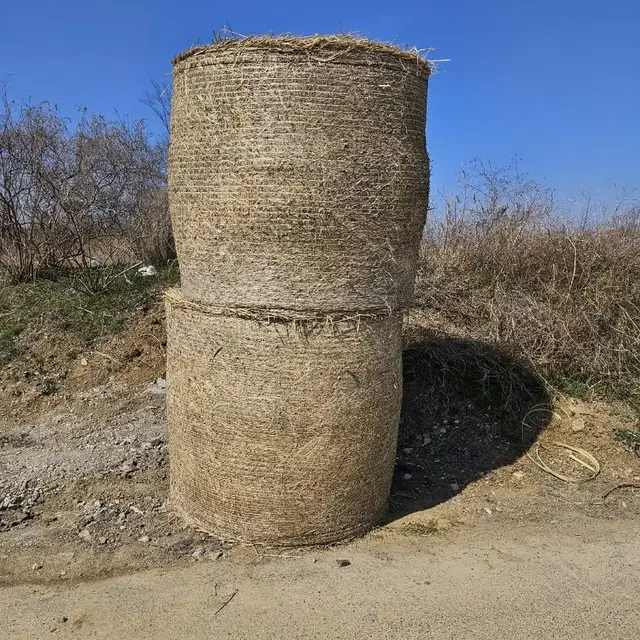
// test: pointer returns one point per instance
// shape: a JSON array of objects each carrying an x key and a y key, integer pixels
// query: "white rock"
[
  {"x": 129, "y": 467},
  {"x": 578, "y": 425},
  {"x": 159, "y": 387}
]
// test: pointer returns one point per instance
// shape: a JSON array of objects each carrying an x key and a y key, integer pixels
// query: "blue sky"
[{"x": 556, "y": 82}]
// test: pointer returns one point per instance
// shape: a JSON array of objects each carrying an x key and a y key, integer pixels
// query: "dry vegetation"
[
  {"x": 82, "y": 200},
  {"x": 80, "y": 196},
  {"x": 502, "y": 266},
  {"x": 513, "y": 301}
]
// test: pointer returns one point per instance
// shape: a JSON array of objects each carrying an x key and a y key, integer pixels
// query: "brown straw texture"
[
  {"x": 298, "y": 175},
  {"x": 281, "y": 433}
]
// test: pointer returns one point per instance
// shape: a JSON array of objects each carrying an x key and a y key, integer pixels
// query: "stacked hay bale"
[{"x": 298, "y": 190}]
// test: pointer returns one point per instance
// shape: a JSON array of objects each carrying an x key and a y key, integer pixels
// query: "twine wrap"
[
  {"x": 298, "y": 175},
  {"x": 284, "y": 432}
]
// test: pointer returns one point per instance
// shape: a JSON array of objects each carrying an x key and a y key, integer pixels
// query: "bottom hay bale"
[{"x": 281, "y": 433}]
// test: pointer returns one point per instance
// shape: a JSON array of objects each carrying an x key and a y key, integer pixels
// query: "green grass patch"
[
  {"x": 570, "y": 387},
  {"x": 421, "y": 528},
  {"x": 629, "y": 438},
  {"x": 47, "y": 308}
]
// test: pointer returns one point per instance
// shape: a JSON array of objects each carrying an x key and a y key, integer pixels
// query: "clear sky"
[{"x": 556, "y": 82}]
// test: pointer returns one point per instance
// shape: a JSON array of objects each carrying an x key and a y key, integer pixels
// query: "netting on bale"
[
  {"x": 281, "y": 432},
  {"x": 298, "y": 173}
]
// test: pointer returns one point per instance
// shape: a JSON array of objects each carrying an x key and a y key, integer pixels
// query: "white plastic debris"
[{"x": 147, "y": 271}]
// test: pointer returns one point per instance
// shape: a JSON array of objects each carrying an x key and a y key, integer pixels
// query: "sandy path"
[{"x": 583, "y": 583}]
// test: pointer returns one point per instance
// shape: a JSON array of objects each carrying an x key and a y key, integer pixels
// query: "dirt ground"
[
  {"x": 83, "y": 488},
  {"x": 488, "y": 582}
]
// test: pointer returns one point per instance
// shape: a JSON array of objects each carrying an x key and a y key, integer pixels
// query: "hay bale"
[
  {"x": 284, "y": 432},
  {"x": 298, "y": 175}
]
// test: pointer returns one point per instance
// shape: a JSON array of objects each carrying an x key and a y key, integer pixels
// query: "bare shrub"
[
  {"x": 150, "y": 235},
  {"x": 26, "y": 213},
  {"x": 158, "y": 99},
  {"x": 87, "y": 196},
  {"x": 501, "y": 265},
  {"x": 154, "y": 241}
]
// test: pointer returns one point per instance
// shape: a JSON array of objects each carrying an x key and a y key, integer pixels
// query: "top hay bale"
[{"x": 298, "y": 174}]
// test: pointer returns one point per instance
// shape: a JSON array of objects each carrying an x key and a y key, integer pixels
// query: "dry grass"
[
  {"x": 334, "y": 223},
  {"x": 256, "y": 413},
  {"x": 502, "y": 267},
  {"x": 327, "y": 45}
]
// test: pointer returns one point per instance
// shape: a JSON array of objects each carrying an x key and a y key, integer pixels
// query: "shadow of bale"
[{"x": 469, "y": 407}]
